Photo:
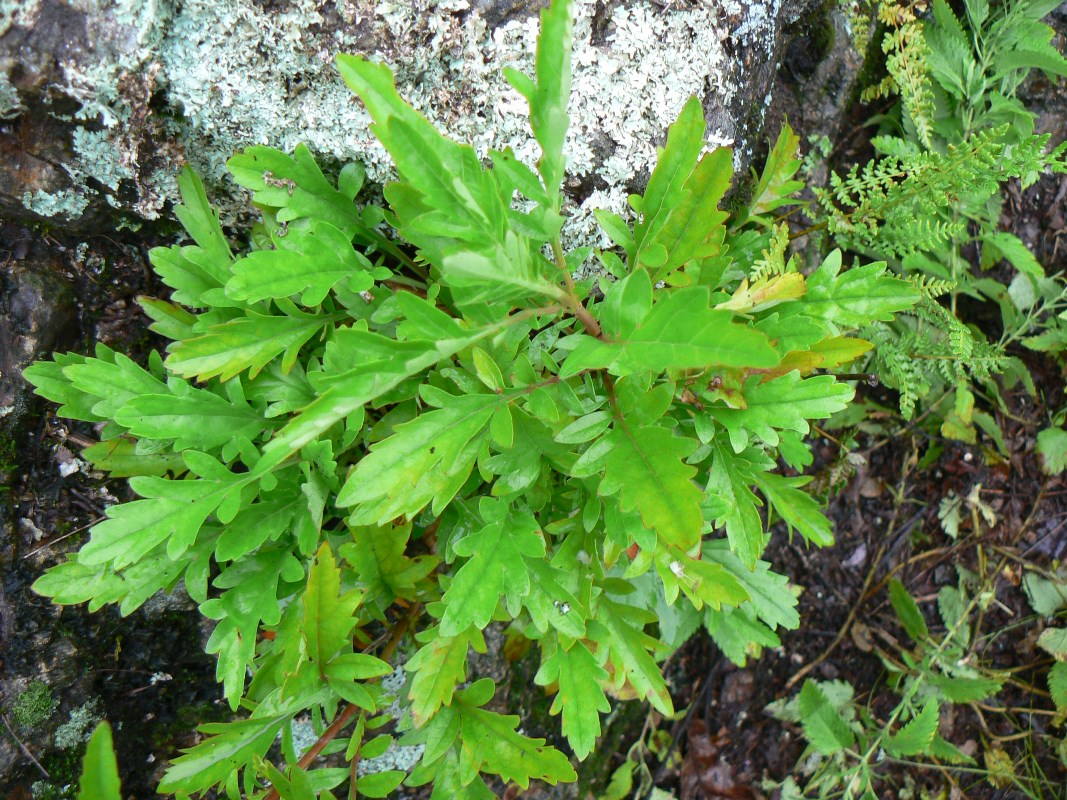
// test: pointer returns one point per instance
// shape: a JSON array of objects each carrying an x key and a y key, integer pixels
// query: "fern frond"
[
  {"x": 897, "y": 367},
  {"x": 930, "y": 287},
  {"x": 907, "y": 56},
  {"x": 772, "y": 260},
  {"x": 899, "y": 205},
  {"x": 960, "y": 339}
]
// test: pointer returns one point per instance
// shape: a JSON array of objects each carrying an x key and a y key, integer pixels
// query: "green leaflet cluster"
[
  {"x": 352, "y": 454},
  {"x": 850, "y": 743}
]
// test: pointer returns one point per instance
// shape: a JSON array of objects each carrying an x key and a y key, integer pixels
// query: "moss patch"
[{"x": 34, "y": 705}]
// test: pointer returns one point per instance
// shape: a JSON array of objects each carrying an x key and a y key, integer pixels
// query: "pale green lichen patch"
[
  {"x": 304, "y": 735},
  {"x": 79, "y": 727},
  {"x": 96, "y": 156},
  {"x": 69, "y": 203},
  {"x": 396, "y": 756},
  {"x": 243, "y": 76},
  {"x": 17, "y": 12},
  {"x": 124, "y": 36},
  {"x": 235, "y": 74},
  {"x": 103, "y": 156},
  {"x": 10, "y": 104}
]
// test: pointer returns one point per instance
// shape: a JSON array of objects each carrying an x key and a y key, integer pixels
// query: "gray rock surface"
[
  {"x": 818, "y": 81},
  {"x": 104, "y": 99},
  {"x": 36, "y": 315}
]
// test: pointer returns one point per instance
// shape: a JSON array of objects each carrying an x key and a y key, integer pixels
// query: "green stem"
[{"x": 387, "y": 245}]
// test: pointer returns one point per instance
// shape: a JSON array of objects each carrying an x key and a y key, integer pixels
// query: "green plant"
[
  {"x": 654, "y": 746},
  {"x": 852, "y": 745},
  {"x": 100, "y": 772},
  {"x": 852, "y": 749},
  {"x": 1047, "y": 594},
  {"x": 933, "y": 198},
  {"x": 389, "y": 452},
  {"x": 33, "y": 706}
]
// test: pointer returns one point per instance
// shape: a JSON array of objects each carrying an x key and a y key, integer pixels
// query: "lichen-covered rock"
[
  {"x": 76, "y": 80},
  {"x": 141, "y": 85}
]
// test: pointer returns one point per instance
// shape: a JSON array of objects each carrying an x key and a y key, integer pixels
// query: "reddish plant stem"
[
  {"x": 574, "y": 305},
  {"x": 353, "y": 790}
]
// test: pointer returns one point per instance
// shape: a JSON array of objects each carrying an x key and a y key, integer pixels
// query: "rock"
[
  {"x": 140, "y": 86},
  {"x": 30, "y": 698},
  {"x": 821, "y": 67},
  {"x": 76, "y": 80},
  {"x": 36, "y": 315}
]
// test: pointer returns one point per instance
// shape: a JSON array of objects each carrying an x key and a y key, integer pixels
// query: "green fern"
[
  {"x": 934, "y": 193},
  {"x": 906, "y": 53},
  {"x": 902, "y": 205}
]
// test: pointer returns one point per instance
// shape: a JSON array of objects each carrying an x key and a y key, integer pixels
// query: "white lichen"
[
  {"x": 304, "y": 735},
  {"x": 22, "y": 13},
  {"x": 402, "y": 757},
  {"x": 235, "y": 74},
  {"x": 241, "y": 75},
  {"x": 393, "y": 683},
  {"x": 756, "y": 20},
  {"x": 10, "y": 103},
  {"x": 232, "y": 68},
  {"x": 96, "y": 156},
  {"x": 123, "y": 35}
]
